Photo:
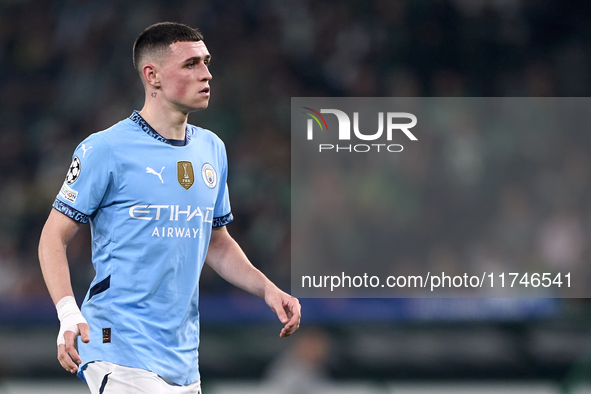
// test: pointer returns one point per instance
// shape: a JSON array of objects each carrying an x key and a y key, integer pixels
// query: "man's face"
[{"x": 184, "y": 76}]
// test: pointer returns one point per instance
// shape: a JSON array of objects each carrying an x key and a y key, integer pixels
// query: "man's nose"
[{"x": 206, "y": 75}]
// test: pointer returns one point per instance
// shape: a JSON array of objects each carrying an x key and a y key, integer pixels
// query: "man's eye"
[{"x": 190, "y": 65}]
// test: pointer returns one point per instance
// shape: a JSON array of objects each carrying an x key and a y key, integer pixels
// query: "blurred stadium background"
[{"x": 66, "y": 72}]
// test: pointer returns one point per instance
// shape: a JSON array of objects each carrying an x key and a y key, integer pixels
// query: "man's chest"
[{"x": 173, "y": 181}]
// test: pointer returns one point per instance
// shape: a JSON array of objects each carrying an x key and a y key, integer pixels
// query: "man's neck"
[{"x": 170, "y": 124}]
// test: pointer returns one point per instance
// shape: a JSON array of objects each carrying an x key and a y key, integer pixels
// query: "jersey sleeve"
[
  {"x": 87, "y": 180},
  {"x": 222, "y": 213}
]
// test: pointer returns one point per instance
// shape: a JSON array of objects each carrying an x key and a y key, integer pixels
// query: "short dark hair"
[{"x": 158, "y": 37}]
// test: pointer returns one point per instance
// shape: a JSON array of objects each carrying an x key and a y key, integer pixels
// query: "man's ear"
[{"x": 151, "y": 75}]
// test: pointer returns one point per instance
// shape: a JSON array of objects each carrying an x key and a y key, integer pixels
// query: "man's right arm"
[{"x": 57, "y": 233}]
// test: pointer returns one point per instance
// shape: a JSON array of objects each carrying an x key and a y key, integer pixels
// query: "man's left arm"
[{"x": 227, "y": 258}]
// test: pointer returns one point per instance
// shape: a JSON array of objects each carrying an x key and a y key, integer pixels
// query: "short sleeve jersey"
[{"x": 151, "y": 207}]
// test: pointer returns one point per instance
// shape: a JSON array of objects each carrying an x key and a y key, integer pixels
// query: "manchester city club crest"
[
  {"x": 184, "y": 173},
  {"x": 209, "y": 175},
  {"x": 73, "y": 171}
]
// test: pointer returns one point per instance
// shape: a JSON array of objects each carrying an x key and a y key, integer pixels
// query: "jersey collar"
[{"x": 137, "y": 119}]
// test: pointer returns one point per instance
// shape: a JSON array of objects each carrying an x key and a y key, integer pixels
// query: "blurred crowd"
[{"x": 66, "y": 72}]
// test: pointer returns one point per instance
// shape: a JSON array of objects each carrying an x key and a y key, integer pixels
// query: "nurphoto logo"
[{"x": 393, "y": 125}]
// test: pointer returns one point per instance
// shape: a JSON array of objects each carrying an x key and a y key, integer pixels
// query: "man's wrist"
[
  {"x": 66, "y": 307},
  {"x": 269, "y": 289},
  {"x": 70, "y": 316}
]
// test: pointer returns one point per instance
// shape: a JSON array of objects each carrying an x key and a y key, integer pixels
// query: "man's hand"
[
  {"x": 288, "y": 310},
  {"x": 67, "y": 353},
  {"x": 72, "y": 324},
  {"x": 227, "y": 259}
]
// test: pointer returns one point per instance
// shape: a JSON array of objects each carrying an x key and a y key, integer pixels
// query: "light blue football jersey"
[{"x": 151, "y": 207}]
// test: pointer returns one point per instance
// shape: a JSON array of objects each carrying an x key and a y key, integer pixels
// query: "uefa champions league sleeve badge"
[{"x": 73, "y": 171}]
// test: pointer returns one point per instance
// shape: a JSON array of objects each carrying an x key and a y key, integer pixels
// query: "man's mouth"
[{"x": 205, "y": 90}]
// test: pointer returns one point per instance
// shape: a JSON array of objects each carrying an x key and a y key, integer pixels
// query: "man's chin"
[{"x": 200, "y": 107}]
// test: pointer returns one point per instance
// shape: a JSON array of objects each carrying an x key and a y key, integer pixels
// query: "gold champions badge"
[{"x": 184, "y": 173}]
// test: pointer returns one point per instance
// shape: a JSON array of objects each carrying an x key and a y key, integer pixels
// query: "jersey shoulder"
[
  {"x": 120, "y": 133},
  {"x": 204, "y": 136},
  {"x": 117, "y": 134}
]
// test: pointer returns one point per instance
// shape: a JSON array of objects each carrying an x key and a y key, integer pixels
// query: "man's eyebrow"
[{"x": 197, "y": 58}]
